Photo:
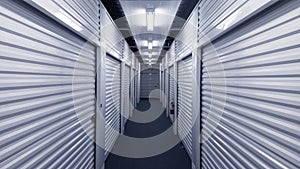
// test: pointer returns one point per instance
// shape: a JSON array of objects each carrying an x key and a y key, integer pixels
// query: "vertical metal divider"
[
  {"x": 200, "y": 69},
  {"x": 176, "y": 97},
  {"x": 139, "y": 83},
  {"x": 163, "y": 86},
  {"x": 167, "y": 90},
  {"x": 200, "y": 105},
  {"x": 160, "y": 82},
  {"x": 122, "y": 113},
  {"x": 122, "y": 100},
  {"x": 131, "y": 84},
  {"x": 196, "y": 105},
  {"x": 100, "y": 108},
  {"x": 99, "y": 125}
]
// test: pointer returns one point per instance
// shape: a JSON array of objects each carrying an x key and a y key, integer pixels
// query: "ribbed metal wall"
[
  {"x": 259, "y": 63},
  {"x": 171, "y": 54},
  {"x": 184, "y": 102},
  {"x": 113, "y": 101},
  {"x": 47, "y": 92},
  {"x": 186, "y": 40},
  {"x": 79, "y": 16},
  {"x": 111, "y": 35},
  {"x": 217, "y": 17}
]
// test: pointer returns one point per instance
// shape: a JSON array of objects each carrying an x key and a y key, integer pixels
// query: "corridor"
[
  {"x": 175, "y": 158},
  {"x": 149, "y": 84}
]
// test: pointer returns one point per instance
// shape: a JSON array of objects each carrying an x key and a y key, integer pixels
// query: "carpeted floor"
[{"x": 174, "y": 158}]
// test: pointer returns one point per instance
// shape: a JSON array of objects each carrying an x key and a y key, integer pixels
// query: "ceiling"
[
  {"x": 130, "y": 17},
  {"x": 164, "y": 13}
]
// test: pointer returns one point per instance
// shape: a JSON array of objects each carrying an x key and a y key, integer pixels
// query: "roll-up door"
[
  {"x": 47, "y": 92},
  {"x": 185, "y": 102},
  {"x": 126, "y": 77},
  {"x": 171, "y": 84},
  {"x": 113, "y": 101},
  {"x": 149, "y": 82},
  {"x": 257, "y": 69}
]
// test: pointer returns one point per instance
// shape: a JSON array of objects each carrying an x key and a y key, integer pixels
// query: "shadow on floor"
[{"x": 175, "y": 158}]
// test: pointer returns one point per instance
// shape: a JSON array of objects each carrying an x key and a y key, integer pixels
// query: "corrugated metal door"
[
  {"x": 149, "y": 81},
  {"x": 260, "y": 123},
  {"x": 113, "y": 102},
  {"x": 47, "y": 92},
  {"x": 185, "y": 102},
  {"x": 126, "y": 91}
]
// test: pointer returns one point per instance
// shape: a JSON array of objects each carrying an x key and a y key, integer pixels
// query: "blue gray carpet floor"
[{"x": 174, "y": 158}]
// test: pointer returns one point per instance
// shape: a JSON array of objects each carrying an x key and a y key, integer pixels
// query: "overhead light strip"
[
  {"x": 150, "y": 19},
  {"x": 150, "y": 45}
]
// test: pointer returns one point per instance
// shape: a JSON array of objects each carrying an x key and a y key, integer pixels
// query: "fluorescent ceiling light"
[
  {"x": 150, "y": 19},
  {"x": 144, "y": 43},
  {"x": 150, "y": 45}
]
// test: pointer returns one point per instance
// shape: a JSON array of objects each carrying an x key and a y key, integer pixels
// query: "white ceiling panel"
[{"x": 164, "y": 13}]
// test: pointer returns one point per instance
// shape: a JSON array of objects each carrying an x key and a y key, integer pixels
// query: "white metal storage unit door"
[
  {"x": 47, "y": 92},
  {"x": 149, "y": 81},
  {"x": 260, "y": 123},
  {"x": 113, "y": 101},
  {"x": 126, "y": 91},
  {"x": 185, "y": 102},
  {"x": 171, "y": 84}
]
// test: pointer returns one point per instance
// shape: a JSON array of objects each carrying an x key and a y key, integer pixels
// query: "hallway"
[
  {"x": 76, "y": 78},
  {"x": 175, "y": 158}
]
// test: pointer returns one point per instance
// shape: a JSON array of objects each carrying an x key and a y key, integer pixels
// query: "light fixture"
[
  {"x": 150, "y": 19},
  {"x": 150, "y": 45}
]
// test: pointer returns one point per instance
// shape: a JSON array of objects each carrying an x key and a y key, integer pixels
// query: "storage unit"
[
  {"x": 149, "y": 82},
  {"x": 255, "y": 68},
  {"x": 112, "y": 101},
  {"x": 184, "y": 102},
  {"x": 47, "y": 92}
]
